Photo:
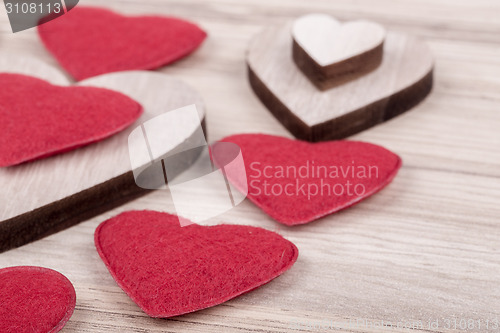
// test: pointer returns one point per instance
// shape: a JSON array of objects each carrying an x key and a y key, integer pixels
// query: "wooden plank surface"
[{"x": 425, "y": 248}]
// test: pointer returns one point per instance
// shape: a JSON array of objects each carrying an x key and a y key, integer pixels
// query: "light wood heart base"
[
  {"x": 45, "y": 196},
  {"x": 402, "y": 80}
]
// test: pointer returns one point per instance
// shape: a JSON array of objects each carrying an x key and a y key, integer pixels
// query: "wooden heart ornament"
[
  {"x": 46, "y": 195},
  {"x": 34, "y": 299},
  {"x": 169, "y": 270},
  {"x": 296, "y": 182},
  {"x": 90, "y": 41},
  {"x": 324, "y": 48},
  {"x": 399, "y": 82}
]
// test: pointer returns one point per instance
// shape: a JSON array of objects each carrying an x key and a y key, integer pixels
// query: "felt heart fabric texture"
[
  {"x": 34, "y": 300},
  {"x": 297, "y": 182},
  {"x": 38, "y": 119},
  {"x": 89, "y": 41},
  {"x": 170, "y": 270}
]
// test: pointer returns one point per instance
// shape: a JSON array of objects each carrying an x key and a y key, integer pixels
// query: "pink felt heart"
[
  {"x": 90, "y": 41},
  {"x": 170, "y": 270},
  {"x": 38, "y": 119},
  {"x": 296, "y": 182},
  {"x": 34, "y": 300}
]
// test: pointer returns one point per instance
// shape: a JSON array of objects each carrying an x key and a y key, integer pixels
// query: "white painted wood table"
[{"x": 425, "y": 248}]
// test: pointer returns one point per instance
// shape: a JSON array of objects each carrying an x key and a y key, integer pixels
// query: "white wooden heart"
[
  {"x": 47, "y": 195},
  {"x": 403, "y": 78},
  {"x": 326, "y": 50},
  {"x": 328, "y": 41}
]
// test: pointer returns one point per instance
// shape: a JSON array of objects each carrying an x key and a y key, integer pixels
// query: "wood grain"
[
  {"x": 96, "y": 177},
  {"x": 425, "y": 248},
  {"x": 401, "y": 81},
  {"x": 325, "y": 49}
]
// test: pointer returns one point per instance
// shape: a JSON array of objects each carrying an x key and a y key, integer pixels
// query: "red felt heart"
[
  {"x": 296, "y": 182},
  {"x": 170, "y": 270},
  {"x": 90, "y": 41},
  {"x": 34, "y": 300},
  {"x": 38, "y": 119}
]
